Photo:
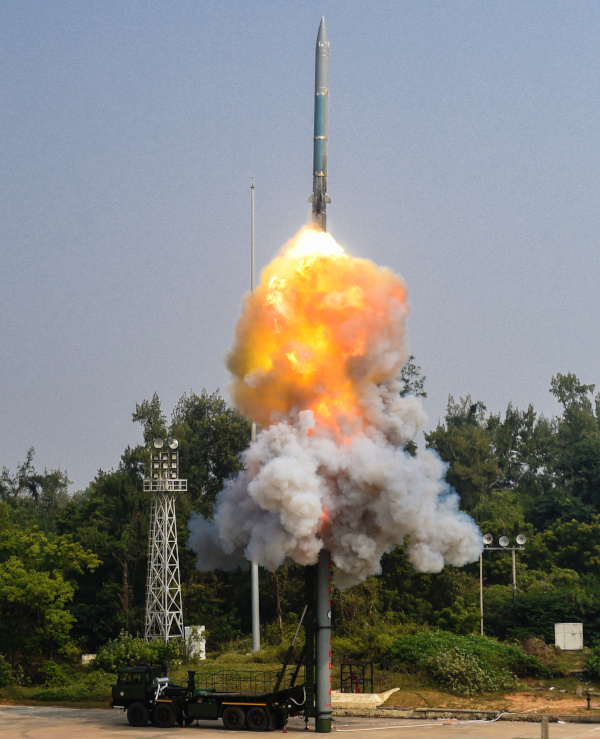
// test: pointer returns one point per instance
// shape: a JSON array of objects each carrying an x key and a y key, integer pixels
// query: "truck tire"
[
  {"x": 163, "y": 715},
  {"x": 137, "y": 714},
  {"x": 234, "y": 718},
  {"x": 257, "y": 719}
]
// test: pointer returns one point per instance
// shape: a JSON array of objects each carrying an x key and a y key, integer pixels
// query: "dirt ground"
[{"x": 532, "y": 700}]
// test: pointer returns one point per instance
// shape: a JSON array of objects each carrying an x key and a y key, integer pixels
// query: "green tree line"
[{"x": 73, "y": 567}]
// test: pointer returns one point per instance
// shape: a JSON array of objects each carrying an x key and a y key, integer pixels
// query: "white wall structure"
[{"x": 568, "y": 636}]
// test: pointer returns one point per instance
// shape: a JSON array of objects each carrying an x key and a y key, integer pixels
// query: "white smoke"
[
  {"x": 302, "y": 491},
  {"x": 329, "y": 334}
]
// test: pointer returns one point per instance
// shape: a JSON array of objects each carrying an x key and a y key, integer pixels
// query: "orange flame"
[
  {"x": 310, "y": 333},
  {"x": 324, "y": 521}
]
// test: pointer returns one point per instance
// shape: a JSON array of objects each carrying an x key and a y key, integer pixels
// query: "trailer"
[
  {"x": 240, "y": 700},
  {"x": 256, "y": 701}
]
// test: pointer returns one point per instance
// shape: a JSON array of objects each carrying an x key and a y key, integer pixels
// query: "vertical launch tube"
[
  {"x": 319, "y": 200},
  {"x": 323, "y": 644},
  {"x": 319, "y": 197}
]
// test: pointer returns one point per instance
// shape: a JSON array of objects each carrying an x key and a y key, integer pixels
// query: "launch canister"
[{"x": 319, "y": 197}]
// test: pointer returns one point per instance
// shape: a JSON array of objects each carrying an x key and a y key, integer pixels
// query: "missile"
[{"x": 319, "y": 197}]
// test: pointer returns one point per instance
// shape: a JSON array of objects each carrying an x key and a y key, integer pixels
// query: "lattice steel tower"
[{"x": 164, "y": 616}]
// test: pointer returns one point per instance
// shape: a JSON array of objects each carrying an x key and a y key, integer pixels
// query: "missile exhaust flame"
[{"x": 318, "y": 350}]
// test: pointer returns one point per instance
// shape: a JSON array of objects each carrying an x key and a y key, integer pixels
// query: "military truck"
[{"x": 241, "y": 701}]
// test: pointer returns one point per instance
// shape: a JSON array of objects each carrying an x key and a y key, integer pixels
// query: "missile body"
[{"x": 319, "y": 197}]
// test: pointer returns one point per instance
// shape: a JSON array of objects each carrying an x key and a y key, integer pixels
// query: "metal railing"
[{"x": 240, "y": 681}]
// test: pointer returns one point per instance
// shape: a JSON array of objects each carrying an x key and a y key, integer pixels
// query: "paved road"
[{"x": 23, "y": 722}]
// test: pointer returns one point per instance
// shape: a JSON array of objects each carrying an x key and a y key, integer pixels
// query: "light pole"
[
  {"x": 164, "y": 614},
  {"x": 504, "y": 541},
  {"x": 254, "y": 565}
]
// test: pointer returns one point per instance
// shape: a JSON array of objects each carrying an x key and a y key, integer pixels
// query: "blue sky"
[{"x": 463, "y": 154}]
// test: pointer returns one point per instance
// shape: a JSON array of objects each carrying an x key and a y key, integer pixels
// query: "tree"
[
  {"x": 110, "y": 518},
  {"x": 572, "y": 545},
  {"x": 569, "y": 391},
  {"x": 211, "y": 438},
  {"x": 413, "y": 379},
  {"x": 149, "y": 413},
  {"x": 37, "y": 583},
  {"x": 465, "y": 443},
  {"x": 570, "y": 481},
  {"x": 38, "y": 496}
]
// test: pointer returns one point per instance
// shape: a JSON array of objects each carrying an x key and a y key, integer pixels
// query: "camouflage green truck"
[{"x": 146, "y": 694}]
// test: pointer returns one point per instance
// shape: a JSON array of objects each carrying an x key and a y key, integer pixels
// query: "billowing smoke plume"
[{"x": 318, "y": 350}]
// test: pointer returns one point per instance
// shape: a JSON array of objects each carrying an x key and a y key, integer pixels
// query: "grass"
[
  {"x": 19, "y": 695},
  {"x": 415, "y": 690}
]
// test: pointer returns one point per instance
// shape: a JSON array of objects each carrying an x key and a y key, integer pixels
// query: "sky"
[{"x": 464, "y": 154}]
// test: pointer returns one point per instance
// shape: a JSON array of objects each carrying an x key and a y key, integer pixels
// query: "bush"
[
  {"x": 93, "y": 686},
  {"x": 53, "y": 675},
  {"x": 466, "y": 665},
  {"x": 548, "y": 655},
  {"x": 368, "y": 644},
  {"x": 19, "y": 677},
  {"x": 6, "y": 674},
  {"x": 464, "y": 674},
  {"x": 128, "y": 650},
  {"x": 592, "y": 665}
]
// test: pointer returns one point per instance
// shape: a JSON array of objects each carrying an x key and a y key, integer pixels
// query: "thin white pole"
[
  {"x": 252, "y": 234},
  {"x": 514, "y": 574},
  {"x": 481, "y": 590},
  {"x": 254, "y": 566}
]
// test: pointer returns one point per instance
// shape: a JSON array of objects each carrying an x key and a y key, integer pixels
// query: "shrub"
[
  {"x": 466, "y": 665},
  {"x": 6, "y": 674},
  {"x": 592, "y": 665},
  {"x": 93, "y": 686},
  {"x": 460, "y": 617},
  {"x": 52, "y": 674},
  {"x": 369, "y": 644},
  {"x": 19, "y": 677},
  {"x": 464, "y": 674},
  {"x": 127, "y": 650},
  {"x": 548, "y": 655}
]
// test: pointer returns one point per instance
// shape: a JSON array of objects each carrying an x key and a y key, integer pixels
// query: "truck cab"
[{"x": 144, "y": 691}]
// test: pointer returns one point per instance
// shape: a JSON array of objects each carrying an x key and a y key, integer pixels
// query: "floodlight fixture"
[
  {"x": 173, "y": 443},
  {"x": 158, "y": 443},
  {"x": 504, "y": 546}
]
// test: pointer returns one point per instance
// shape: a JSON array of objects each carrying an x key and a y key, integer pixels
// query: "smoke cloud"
[{"x": 319, "y": 347}]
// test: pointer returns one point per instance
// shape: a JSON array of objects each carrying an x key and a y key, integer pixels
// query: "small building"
[{"x": 568, "y": 636}]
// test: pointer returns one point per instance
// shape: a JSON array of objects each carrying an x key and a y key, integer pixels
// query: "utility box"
[{"x": 568, "y": 636}]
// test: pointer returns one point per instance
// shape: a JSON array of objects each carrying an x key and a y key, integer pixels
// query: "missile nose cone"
[
  {"x": 322, "y": 35},
  {"x": 322, "y": 59}
]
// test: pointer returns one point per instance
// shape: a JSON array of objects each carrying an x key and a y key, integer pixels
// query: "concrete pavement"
[{"x": 26, "y": 722}]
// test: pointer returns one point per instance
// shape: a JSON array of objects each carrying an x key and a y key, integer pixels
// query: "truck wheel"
[
  {"x": 164, "y": 717},
  {"x": 257, "y": 719},
  {"x": 137, "y": 714},
  {"x": 234, "y": 718}
]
